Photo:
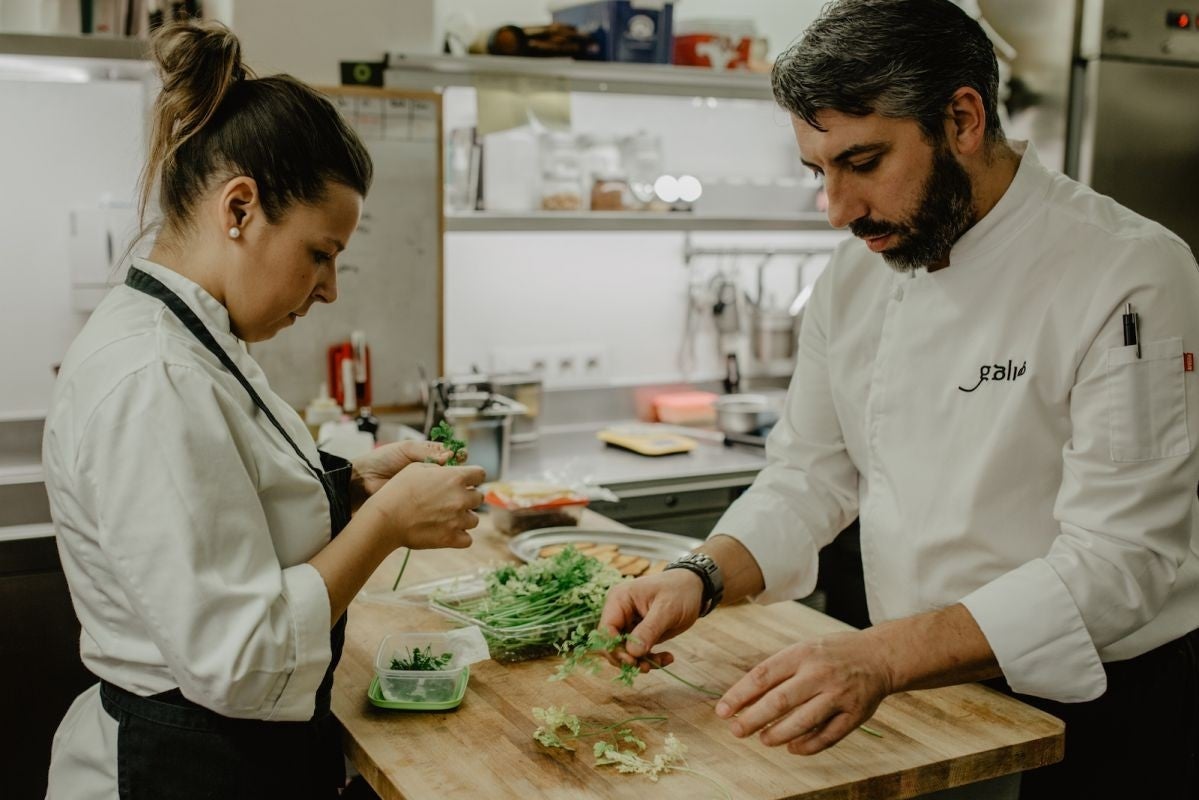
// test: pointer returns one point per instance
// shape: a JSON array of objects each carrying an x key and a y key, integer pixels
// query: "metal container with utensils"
[
  {"x": 480, "y": 417},
  {"x": 525, "y": 388}
]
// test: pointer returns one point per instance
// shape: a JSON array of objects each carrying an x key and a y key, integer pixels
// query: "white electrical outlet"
[
  {"x": 593, "y": 364},
  {"x": 521, "y": 359},
  {"x": 571, "y": 364}
]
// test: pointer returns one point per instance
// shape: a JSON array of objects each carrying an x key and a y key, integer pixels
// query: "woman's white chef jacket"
[
  {"x": 184, "y": 521},
  {"x": 1002, "y": 446}
]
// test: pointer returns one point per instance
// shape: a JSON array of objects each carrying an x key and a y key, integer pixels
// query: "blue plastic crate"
[{"x": 638, "y": 31}]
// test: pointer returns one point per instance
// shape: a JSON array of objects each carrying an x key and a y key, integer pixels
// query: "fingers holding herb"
[
  {"x": 651, "y": 610},
  {"x": 426, "y": 506},
  {"x": 443, "y": 433}
]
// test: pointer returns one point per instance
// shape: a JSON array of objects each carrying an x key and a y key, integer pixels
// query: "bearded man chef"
[{"x": 1022, "y": 462}]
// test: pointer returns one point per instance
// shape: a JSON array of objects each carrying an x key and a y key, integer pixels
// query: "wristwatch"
[{"x": 703, "y": 566}]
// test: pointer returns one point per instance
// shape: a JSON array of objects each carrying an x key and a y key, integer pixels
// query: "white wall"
[
  {"x": 62, "y": 145},
  {"x": 622, "y": 293},
  {"x": 308, "y": 39}
]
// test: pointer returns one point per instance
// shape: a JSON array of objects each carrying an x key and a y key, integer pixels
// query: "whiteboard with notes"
[{"x": 389, "y": 279}]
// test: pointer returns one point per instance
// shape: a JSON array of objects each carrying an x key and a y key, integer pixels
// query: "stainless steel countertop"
[{"x": 574, "y": 453}]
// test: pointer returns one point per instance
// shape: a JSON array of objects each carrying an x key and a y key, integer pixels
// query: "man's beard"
[{"x": 946, "y": 211}]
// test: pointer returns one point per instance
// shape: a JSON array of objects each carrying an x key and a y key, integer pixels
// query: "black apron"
[{"x": 169, "y": 748}]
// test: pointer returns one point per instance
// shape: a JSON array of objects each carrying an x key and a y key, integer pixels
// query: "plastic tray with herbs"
[{"x": 524, "y": 611}]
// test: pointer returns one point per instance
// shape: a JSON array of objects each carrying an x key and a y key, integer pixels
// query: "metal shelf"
[
  {"x": 629, "y": 221},
  {"x": 27, "y": 55},
  {"x": 433, "y": 72},
  {"x": 16, "y": 472},
  {"x": 12, "y": 533}
]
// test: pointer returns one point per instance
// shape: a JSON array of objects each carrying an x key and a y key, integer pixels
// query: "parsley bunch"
[{"x": 535, "y": 603}]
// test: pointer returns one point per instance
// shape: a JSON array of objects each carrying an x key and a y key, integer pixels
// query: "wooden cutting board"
[{"x": 931, "y": 739}]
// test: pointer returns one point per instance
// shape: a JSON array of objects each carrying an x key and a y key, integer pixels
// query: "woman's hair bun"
[{"x": 199, "y": 63}]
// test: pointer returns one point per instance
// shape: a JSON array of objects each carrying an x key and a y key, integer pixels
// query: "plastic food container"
[
  {"x": 686, "y": 408},
  {"x": 417, "y": 686},
  {"x": 505, "y": 645},
  {"x": 519, "y": 506}
]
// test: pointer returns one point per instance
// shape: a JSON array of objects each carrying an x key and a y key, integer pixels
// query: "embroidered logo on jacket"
[{"x": 997, "y": 372}]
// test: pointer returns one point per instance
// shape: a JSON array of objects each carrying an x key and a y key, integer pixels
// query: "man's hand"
[
  {"x": 651, "y": 610},
  {"x": 374, "y": 469},
  {"x": 810, "y": 695}
]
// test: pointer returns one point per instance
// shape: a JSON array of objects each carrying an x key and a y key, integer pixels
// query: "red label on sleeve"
[{"x": 1188, "y": 362}]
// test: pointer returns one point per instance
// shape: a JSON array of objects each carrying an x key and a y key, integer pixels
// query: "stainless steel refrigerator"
[
  {"x": 1108, "y": 91},
  {"x": 1134, "y": 115}
]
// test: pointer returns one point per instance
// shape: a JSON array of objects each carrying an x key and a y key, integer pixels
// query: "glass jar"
[
  {"x": 643, "y": 160},
  {"x": 561, "y": 173},
  {"x": 610, "y": 192},
  {"x": 604, "y": 173}
]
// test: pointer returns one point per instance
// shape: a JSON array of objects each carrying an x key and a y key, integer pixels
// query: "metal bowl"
[{"x": 744, "y": 413}]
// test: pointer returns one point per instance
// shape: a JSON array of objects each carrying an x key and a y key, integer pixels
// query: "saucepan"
[{"x": 744, "y": 413}]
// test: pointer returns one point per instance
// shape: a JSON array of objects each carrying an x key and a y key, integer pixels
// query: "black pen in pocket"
[{"x": 1131, "y": 332}]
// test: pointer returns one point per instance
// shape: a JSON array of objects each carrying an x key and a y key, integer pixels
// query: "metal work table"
[
  {"x": 683, "y": 493},
  {"x": 575, "y": 452}
]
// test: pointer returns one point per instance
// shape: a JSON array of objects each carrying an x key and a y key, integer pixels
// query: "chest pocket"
[{"x": 1147, "y": 407}]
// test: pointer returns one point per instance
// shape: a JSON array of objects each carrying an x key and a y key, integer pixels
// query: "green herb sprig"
[
  {"x": 582, "y": 651},
  {"x": 422, "y": 660},
  {"x": 555, "y": 717},
  {"x": 443, "y": 433}
]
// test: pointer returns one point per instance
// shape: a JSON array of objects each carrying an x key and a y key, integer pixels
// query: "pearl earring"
[{"x": 234, "y": 232}]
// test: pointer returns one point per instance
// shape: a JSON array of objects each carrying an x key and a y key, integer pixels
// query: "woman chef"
[{"x": 209, "y": 547}]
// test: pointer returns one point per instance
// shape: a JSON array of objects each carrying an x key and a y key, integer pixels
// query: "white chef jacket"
[
  {"x": 184, "y": 521},
  {"x": 1000, "y": 444}
]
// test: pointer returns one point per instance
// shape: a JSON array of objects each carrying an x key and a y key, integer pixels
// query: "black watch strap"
[{"x": 702, "y": 565}]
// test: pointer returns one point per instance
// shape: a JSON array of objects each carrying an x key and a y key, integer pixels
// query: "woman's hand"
[
  {"x": 809, "y": 696},
  {"x": 374, "y": 469},
  {"x": 428, "y": 506}
]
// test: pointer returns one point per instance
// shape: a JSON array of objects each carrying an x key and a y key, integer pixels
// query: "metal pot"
[
  {"x": 744, "y": 413},
  {"x": 773, "y": 335}
]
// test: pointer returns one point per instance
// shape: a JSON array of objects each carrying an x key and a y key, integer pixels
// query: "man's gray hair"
[{"x": 897, "y": 58}]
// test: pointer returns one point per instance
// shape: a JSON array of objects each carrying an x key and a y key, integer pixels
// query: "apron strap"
[{"x": 144, "y": 282}]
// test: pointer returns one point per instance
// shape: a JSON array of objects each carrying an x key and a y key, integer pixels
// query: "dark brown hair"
[
  {"x": 213, "y": 120},
  {"x": 899, "y": 58}
]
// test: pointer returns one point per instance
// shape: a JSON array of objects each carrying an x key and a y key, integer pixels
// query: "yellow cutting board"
[{"x": 647, "y": 444}]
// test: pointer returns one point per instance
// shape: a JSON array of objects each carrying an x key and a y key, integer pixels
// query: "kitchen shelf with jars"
[
  {"x": 433, "y": 73},
  {"x": 600, "y": 146}
]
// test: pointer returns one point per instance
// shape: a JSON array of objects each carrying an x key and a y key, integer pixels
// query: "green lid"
[{"x": 375, "y": 695}]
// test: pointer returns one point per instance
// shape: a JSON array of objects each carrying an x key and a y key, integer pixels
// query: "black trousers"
[{"x": 1140, "y": 739}]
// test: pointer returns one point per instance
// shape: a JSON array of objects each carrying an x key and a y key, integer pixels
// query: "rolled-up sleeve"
[
  {"x": 181, "y": 523},
  {"x": 808, "y": 491},
  {"x": 1127, "y": 498}
]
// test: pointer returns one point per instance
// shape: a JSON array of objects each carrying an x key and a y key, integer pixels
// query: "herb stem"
[
  {"x": 869, "y": 730},
  {"x": 403, "y": 566},
  {"x": 723, "y": 789},
  {"x": 616, "y": 725},
  {"x": 685, "y": 682}
]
